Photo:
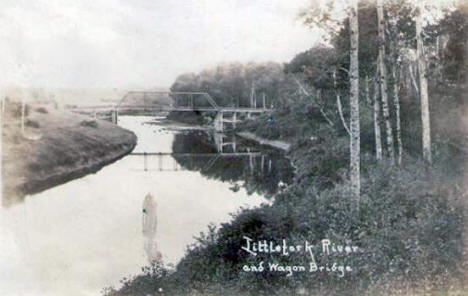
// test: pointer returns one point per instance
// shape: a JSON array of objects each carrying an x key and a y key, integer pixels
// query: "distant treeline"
[{"x": 236, "y": 84}]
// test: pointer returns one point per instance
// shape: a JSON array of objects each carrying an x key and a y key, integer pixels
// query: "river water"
[{"x": 87, "y": 234}]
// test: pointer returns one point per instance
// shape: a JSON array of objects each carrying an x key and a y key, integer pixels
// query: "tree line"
[{"x": 386, "y": 72}]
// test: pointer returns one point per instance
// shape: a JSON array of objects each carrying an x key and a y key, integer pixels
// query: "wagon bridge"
[{"x": 149, "y": 102}]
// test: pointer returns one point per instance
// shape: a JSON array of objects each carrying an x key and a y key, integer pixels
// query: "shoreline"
[
  {"x": 262, "y": 141},
  {"x": 166, "y": 123},
  {"x": 70, "y": 147},
  {"x": 37, "y": 186}
]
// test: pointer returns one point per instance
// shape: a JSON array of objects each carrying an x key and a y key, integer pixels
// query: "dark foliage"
[{"x": 89, "y": 123}]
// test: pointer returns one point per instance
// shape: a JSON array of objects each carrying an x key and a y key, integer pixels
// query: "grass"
[{"x": 70, "y": 146}]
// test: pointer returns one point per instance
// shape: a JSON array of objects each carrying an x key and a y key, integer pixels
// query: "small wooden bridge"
[{"x": 181, "y": 102}]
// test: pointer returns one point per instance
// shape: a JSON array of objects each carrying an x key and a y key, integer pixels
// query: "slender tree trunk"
[
  {"x": 368, "y": 100},
  {"x": 315, "y": 101},
  {"x": 377, "y": 132},
  {"x": 252, "y": 93},
  {"x": 423, "y": 93},
  {"x": 383, "y": 80},
  {"x": 354, "y": 100},
  {"x": 340, "y": 111},
  {"x": 396, "y": 98},
  {"x": 338, "y": 103},
  {"x": 413, "y": 79}
]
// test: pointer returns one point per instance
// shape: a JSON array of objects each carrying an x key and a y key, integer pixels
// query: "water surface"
[{"x": 79, "y": 237}]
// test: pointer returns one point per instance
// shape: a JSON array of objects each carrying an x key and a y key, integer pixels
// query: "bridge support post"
[
  {"x": 218, "y": 122},
  {"x": 234, "y": 119},
  {"x": 115, "y": 116},
  {"x": 218, "y": 139},
  {"x": 264, "y": 101},
  {"x": 251, "y": 164},
  {"x": 262, "y": 163},
  {"x": 234, "y": 145}
]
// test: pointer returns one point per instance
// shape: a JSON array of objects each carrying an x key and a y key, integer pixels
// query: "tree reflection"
[
  {"x": 149, "y": 226},
  {"x": 257, "y": 168}
]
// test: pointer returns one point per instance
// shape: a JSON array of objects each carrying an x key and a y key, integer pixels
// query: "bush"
[
  {"x": 32, "y": 123},
  {"x": 42, "y": 110},
  {"x": 89, "y": 123},
  {"x": 407, "y": 228},
  {"x": 13, "y": 109}
]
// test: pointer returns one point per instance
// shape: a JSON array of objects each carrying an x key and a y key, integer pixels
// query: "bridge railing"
[{"x": 154, "y": 97}]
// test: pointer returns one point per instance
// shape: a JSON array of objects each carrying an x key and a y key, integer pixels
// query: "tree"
[
  {"x": 394, "y": 14},
  {"x": 423, "y": 93},
  {"x": 377, "y": 132},
  {"x": 383, "y": 79},
  {"x": 396, "y": 100},
  {"x": 329, "y": 18},
  {"x": 354, "y": 99}
]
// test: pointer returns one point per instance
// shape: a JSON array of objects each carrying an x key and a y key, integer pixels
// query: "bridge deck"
[
  {"x": 238, "y": 154},
  {"x": 170, "y": 108}
]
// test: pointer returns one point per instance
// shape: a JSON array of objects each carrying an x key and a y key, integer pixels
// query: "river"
[{"x": 87, "y": 234}]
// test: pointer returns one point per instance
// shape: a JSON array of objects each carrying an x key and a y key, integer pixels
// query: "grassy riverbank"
[
  {"x": 410, "y": 228},
  {"x": 55, "y": 148}
]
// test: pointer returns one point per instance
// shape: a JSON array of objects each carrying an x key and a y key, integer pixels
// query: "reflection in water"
[
  {"x": 227, "y": 158},
  {"x": 78, "y": 237},
  {"x": 259, "y": 169},
  {"x": 150, "y": 225}
]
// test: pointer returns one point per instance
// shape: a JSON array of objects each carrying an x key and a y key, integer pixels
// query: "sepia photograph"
[{"x": 234, "y": 147}]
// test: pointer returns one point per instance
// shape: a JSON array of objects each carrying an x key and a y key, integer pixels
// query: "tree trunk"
[
  {"x": 396, "y": 99},
  {"x": 315, "y": 101},
  {"x": 396, "y": 95},
  {"x": 368, "y": 100},
  {"x": 413, "y": 79},
  {"x": 338, "y": 103},
  {"x": 383, "y": 80},
  {"x": 354, "y": 100},
  {"x": 423, "y": 93},
  {"x": 377, "y": 133},
  {"x": 252, "y": 94}
]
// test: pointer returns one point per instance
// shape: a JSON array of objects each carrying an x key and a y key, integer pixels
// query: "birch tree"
[
  {"x": 329, "y": 17},
  {"x": 354, "y": 99},
  {"x": 423, "y": 93},
  {"x": 383, "y": 79},
  {"x": 338, "y": 104},
  {"x": 377, "y": 133},
  {"x": 396, "y": 100},
  {"x": 396, "y": 72}
]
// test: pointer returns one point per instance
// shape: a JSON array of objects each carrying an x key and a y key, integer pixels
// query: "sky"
[{"x": 145, "y": 43}]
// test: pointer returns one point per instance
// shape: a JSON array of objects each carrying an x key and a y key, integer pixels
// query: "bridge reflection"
[
  {"x": 169, "y": 161},
  {"x": 226, "y": 158}
]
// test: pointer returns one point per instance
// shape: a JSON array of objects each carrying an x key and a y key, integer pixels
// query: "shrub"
[
  {"x": 42, "y": 110},
  {"x": 406, "y": 227},
  {"x": 89, "y": 123},
  {"x": 32, "y": 123},
  {"x": 13, "y": 109}
]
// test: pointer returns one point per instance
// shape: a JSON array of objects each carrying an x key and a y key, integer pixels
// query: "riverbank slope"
[
  {"x": 398, "y": 209},
  {"x": 55, "y": 148}
]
